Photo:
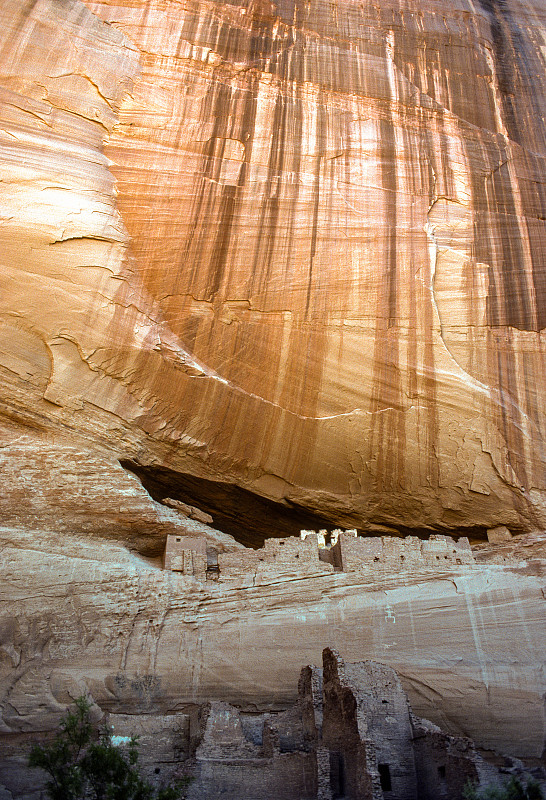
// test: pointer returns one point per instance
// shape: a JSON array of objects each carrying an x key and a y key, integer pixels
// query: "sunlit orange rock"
[{"x": 297, "y": 247}]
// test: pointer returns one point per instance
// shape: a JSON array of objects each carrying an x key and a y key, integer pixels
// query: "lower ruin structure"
[{"x": 351, "y": 734}]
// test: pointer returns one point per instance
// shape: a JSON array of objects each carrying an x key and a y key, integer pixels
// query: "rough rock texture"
[
  {"x": 468, "y": 645},
  {"x": 52, "y": 484},
  {"x": 291, "y": 249},
  {"x": 319, "y": 274}
]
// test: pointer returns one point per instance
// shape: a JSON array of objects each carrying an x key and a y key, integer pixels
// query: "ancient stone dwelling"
[
  {"x": 351, "y": 734},
  {"x": 274, "y": 265},
  {"x": 309, "y": 555},
  {"x": 186, "y": 554}
]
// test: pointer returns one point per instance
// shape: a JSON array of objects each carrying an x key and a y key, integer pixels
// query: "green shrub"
[
  {"x": 513, "y": 790},
  {"x": 83, "y": 764}
]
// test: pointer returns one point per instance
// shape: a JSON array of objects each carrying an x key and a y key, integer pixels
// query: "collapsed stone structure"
[
  {"x": 309, "y": 555},
  {"x": 351, "y": 735}
]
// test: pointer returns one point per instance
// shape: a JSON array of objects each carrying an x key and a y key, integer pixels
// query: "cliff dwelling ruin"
[
  {"x": 309, "y": 555},
  {"x": 272, "y": 391}
]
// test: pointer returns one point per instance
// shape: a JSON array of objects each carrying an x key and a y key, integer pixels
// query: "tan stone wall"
[
  {"x": 231, "y": 765},
  {"x": 390, "y": 553},
  {"x": 289, "y": 556},
  {"x": 350, "y": 553},
  {"x": 186, "y": 554}
]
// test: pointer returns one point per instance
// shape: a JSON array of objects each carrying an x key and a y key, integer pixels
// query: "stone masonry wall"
[
  {"x": 231, "y": 765},
  {"x": 387, "y": 553},
  {"x": 444, "y": 763},
  {"x": 384, "y": 717},
  {"x": 305, "y": 556},
  {"x": 289, "y": 556},
  {"x": 186, "y": 554},
  {"x": 373, "y": 694}
]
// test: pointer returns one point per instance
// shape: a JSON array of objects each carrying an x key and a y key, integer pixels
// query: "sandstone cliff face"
[
  {"x": 282, "y": 250},
  {"x": 297, "y": 247},
  {"x": 468, "y": 643}
]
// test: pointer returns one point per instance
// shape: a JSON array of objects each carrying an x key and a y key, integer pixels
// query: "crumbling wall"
[
  {"x": 352, "y": 764},
  {"x": 444, "y": 763},
  {"x": 368, "y": 745},
  {"x": 391, "y": 554},
  {"x": 308, "y": 555},
  {"x": 163, "y": 741},
  {"x": 289, "y": 556},
  {"x": 231, "y": 765},
  {"x": 384, "y": 717}
]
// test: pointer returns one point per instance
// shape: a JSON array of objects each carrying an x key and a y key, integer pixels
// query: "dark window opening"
[
  {"x": 385, "y": 777},
  {"x": 157, "y": 770},
  {"x": 337, "y": 775},
  {"x": 442, "y": 773},
  {"x": 384, "y": 701},
  {"x": 178, "y": 538}
]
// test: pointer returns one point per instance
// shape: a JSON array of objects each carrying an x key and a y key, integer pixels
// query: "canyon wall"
[
  {"x": 467, "y": 641},
  {"x": 282, "y": 262},
  {"x": 293, "y": 247}
]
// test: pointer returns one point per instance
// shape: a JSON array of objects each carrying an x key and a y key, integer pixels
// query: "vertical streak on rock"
[
  {"x": 264, "y": 247},
  {"x": 506, "y": 242},
  {"x": 315, "y": 217}
]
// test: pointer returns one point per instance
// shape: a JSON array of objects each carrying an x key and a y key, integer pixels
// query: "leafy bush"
[
  {"x": 513, "y": 790},
  {"x": 84, "y": 764}
]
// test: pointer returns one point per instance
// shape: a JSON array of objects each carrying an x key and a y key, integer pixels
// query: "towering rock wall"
[{"x": 296, "y": 246}]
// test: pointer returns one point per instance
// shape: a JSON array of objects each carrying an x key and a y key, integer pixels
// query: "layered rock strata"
[
  {"x": 467, "y": 641},
  {"x": 276, "y": 249},
  {"x": 295, "y": 247}
]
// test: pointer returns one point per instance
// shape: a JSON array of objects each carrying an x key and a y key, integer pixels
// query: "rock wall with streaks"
[{"x": 297, "y": 247}]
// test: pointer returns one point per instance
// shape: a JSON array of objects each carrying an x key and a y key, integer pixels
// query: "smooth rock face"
[{"x": 319, "y": 273}]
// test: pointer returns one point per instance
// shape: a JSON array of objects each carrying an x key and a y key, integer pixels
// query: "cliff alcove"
[
  {"x": 251, "y": 519},
  {"x": 248, "y": 518}
]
